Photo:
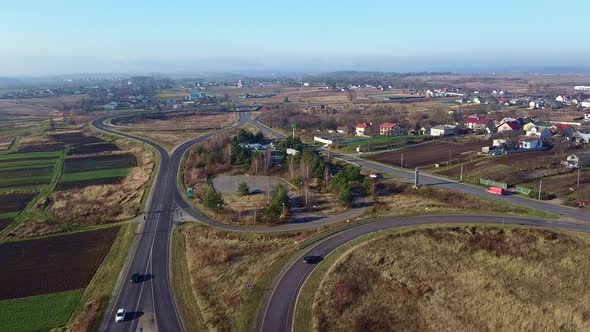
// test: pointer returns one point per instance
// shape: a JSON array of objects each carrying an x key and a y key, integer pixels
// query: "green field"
[
  {"x": 25, "y": 181},
  {"x": 100, "y": 174},
  {"x": 9, "y": 215},
  {"x": 11, "y": 166},
  {"x": 380, "y": 143},
  {"x": 30, "y": 155},
  {"x": 38, "y": 313}
]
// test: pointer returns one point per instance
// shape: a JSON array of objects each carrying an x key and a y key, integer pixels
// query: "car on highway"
[
  {"x": 135, "y": 277},
  {"x": 120, "y": 316},
  {"x": 312, "y": 259}
]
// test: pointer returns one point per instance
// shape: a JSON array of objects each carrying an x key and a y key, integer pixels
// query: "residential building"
[
  {"x": 530, "y": 143},
  {"x": 477, "y": 123},
  {"x": 111, "y": 106},
  {"x": 508, "y": 126},
  {"x": 360, "y": 129},
  {"x": 580, "y": 137},
  {"x": 197, "y": 96},
  {"x": 391, "y": 129},
  {"x": 585, "y": 103},
  {"x": 581, "y": 159},
  {"x": 563, "y": 129},
  {"x": 541, "y": 132},
  {"x": 444, "y": 130},
  {"x": 587, "y": 116}
]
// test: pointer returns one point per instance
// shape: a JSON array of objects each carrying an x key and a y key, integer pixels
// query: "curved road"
[
  {"x": 153, "y": 298},
  {"x": 278, "y": 314}
]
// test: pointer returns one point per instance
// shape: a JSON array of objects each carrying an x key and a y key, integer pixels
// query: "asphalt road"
[
  {"x": 429, "y": 180},
  {"x": 278, "y": 313},
  {"x": 151, "y": 301},
  {"x": 153, "y": 298}
]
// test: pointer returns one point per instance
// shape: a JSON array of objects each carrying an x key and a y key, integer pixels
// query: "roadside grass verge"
[
  {"x": 191, "y": 316},
  {"x": 38, "y": 313}
]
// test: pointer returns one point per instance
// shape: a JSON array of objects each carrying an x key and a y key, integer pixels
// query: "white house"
[
  {"x": 111, "y": 106},
  {"x": 580, "y": 137},
  {"x": 585, "y": 103},
  {"x": 581, "y": 159},
  {"x": 360, "y": 129},
  {"x": 530, "y": 143},
  {"x": 443, "y": 130},
  {"x": 541, "y": 132},
  {"x": 587, "y": 116},
  {"x": 561, "y": 99}
]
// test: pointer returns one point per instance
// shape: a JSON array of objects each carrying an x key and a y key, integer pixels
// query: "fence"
[
  {"x": 522, "y": 190},
  {"x": 492, "y": 183}
]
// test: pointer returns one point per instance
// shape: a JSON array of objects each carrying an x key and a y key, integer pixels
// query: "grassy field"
[
  {"x": 219, "y": 265},
  {"x": 381, "y": 143},
  {"x": 30, "y": 155},
  {"x": 456, "y": 278},
  {"x": 38, "y": 313}
]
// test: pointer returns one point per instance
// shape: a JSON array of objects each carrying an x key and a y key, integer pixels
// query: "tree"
[
  {"x": 279, "y": 202},
  {"x": 213, "y": 200},
  {"x": 286, "y": 99},
  {"x": 243, "y": 189},
  {"x": 345, "y": 198}
]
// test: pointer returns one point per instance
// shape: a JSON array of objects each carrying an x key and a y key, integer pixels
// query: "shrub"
[
  {"x": 213, "y": 200},
  {"x": 243, "y": 189}
]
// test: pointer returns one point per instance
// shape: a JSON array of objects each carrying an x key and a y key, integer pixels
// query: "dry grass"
[
  {"x": 460, "y": 279},
  {"x": 402, "y": 199},
  {"x": 221, "y": 263},
  {"x": 107, "y": 203}
]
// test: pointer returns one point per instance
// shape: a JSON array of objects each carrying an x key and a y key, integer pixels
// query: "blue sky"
[{"x": 51, "y": 37}]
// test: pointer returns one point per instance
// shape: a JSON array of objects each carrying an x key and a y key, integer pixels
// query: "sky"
[{"x": 65, "y": 37}]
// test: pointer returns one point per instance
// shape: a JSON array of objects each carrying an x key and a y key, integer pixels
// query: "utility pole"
[
  {"x": 540, "y": 187},
  {"x": 293, "y": 126},
  {"x": 578, "y": 184},
  {"x": 449, "y": 157},
  {"x": 402, "y": 161},
  {"x": 461, "y": 177}
]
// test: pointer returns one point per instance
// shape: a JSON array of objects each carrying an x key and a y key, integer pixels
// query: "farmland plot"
[
  {"x": 52, "y": 264},
  {"x": 94, "y": 163},
  {"x": 93, "y": 148},
  {"x": 76, "y": 139},
  {"x": 14, "y": 203}
]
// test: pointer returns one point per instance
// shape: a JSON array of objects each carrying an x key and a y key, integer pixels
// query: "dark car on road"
[
  {"x": 311, "y": 259},
  {"x": 136, "y": 277}
]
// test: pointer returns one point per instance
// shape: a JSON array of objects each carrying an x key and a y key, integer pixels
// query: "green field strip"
[
  {"x": 30, "y": 155},
  {"x": 26, "y": 172},
  {"x": 9, "y": 168},
  {"x": 38, "y": 313},
  {"x": 28, "y": 163},
  {"x": 20, "y": 189},
  {"x": 100, "y": 174},
  {"x": 9, "y": 215},
  {"x": 25, "y": 181}
]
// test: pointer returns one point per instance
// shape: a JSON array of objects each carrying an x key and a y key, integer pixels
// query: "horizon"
[{"x": 108, "y": 37}]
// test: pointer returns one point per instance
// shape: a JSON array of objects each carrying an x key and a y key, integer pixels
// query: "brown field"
[
  {"x": 177, "y": 129},
  {"x": 14, "y": 202},
  {"x": 403, "y": 199},
  {"x": 428, "y": 154},
  {"x": 221, "y": 263},
  {"x": 459, "y": 279},
  {"x": 99, "y": 204},
  {"x": 52, "y": 264},
  {"x": 512, "y": 168}
]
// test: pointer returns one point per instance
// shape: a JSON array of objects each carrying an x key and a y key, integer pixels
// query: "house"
[
  {"x": 541, "y": 132},
  {"x": 530, "y": 143},
  {"x": 585, "y": 103},
  {"x": 508, "y": 126},
  {"x": 563, "y": 129},
  {"x": 477, "y": 123},
  {"x": 444, "y": 130},
  {"x": 473, "y": 100},
  {"x": 536, "y": 104},
  {"x": 360, "y": 129},
  {"x": 292, "y": 152},
  {"x": 197, "y": 96},
  {"x": 424, "y": 130},
  {"x": 577, "y": 160},
  {"x": 580, "y": 137},
  {"x": 587, "y": 116},
  {"x": 343, "y": 130},
  {"x": 561, "y": 99},
  {"x": 391, "y": 129},
  {"x": 111, "y": 106}
]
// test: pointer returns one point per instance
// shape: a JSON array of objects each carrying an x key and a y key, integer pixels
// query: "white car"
[{"x": 120, "y": 316}]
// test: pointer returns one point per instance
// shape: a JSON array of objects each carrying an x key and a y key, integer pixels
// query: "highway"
[
  {"x": 278, "y": 313},
  {"x": 153, "y": 300}
]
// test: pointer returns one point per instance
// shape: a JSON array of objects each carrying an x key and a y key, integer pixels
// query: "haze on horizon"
[{"x": 66, "y": 37}]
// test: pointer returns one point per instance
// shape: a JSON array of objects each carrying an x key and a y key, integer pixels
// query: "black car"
[
  {"x": 135, "y": 277},
  {"x": 310, "y": 259}
]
